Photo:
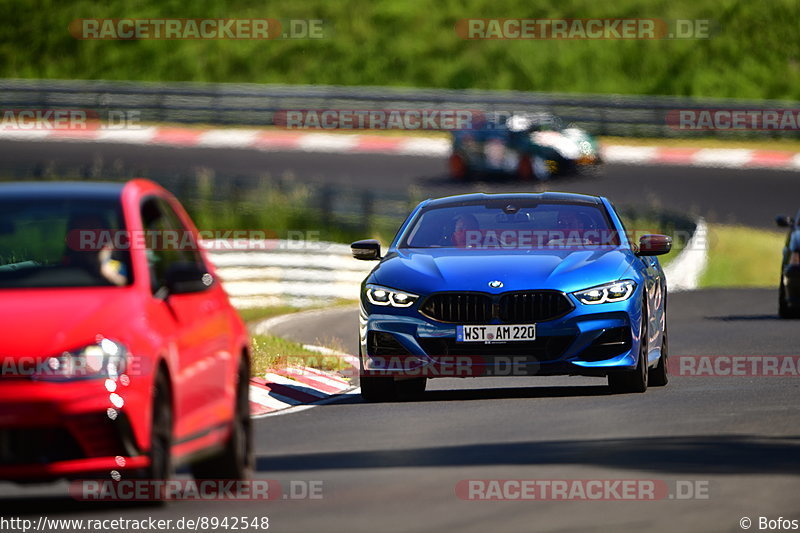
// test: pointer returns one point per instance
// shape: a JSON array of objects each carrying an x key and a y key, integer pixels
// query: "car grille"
[
  {"x": 533, "y": 306},
  {"x": 20, "y": 446},
  {"x": 83, "y": 436},
  {"x": 460, "y": 307},
  {"x": 100, "y": 436},
  {"x": 512, "y": 308},
  {"x": 547, "y": 348}
]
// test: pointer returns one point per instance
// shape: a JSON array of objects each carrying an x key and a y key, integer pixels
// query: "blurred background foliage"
[{"x": 754, "y": 50}]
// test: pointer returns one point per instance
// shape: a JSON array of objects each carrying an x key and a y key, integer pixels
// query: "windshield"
[
  {"x": 540, "y": 225},
  {"x": 43, "y": 243}
]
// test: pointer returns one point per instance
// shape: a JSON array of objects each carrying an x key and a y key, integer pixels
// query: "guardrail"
[
  {"x": 250, "y": 104},
  {"x": 281, "y": 272}
]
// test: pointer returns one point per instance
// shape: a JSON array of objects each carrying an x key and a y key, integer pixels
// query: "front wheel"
[
  {"x": 633, "y": 380},
  {"x": 784, "y": 311},
  {"x": 659, "y": 376},
  {"x": 525, "y": 169},
  {"x": 459, "y": 171},
  {"x": 161, "y": 467},
  {"x": 411, "y": 388},
  {"x": 541, "y": 169},
  {"x": 378, "y": 389},
  {"x": 533, "y": 168}
]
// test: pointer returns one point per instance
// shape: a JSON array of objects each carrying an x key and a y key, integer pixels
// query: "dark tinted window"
[
  {"x": 62, "y": 242},
  {"x": 494, "y": 226},
  {"x": 169, "y": 242}
]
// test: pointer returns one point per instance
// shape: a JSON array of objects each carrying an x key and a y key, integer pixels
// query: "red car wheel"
[{"x": 458, "y": 168}]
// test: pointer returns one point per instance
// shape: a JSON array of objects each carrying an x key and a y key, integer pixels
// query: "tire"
[
  {"x": 659, "y": 376},
  {"x": 525, "y": 169},
  {"x": 411, "y": 388},
  {"x": 458, "y": 168},
  {"x": 633, "y": 381},
  {"x": 161, "y": 466},
  {"x": 375, "y": 389},
  {"x": 784, "y": 311},
  {"x": 161, "y": 432},
  {"x": 235, "y": 461},
  {"x": 378, "y": 389},
  {"x": 540, "y": 169}
]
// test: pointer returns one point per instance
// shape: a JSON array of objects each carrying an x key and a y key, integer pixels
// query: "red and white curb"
[
  {"x": 297, "y": 387},
  {"x": 294, "y": 386},
  {"x": 276, "y": 140},
  {"x": 701, "y": 157},
  {"x": 268, "y": 140}
]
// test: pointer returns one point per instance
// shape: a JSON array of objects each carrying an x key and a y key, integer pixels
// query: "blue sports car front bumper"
[{"x": 590, "y": 339}]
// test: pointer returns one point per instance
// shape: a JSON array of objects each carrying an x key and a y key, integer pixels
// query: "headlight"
[
  {"x": 617, "y": 291},
  {"x": 389, "y": 297},
  {"x": 106, "y": 358}
]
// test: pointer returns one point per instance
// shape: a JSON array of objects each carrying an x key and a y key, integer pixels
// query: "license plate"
[{"x": 496, "y": 333}]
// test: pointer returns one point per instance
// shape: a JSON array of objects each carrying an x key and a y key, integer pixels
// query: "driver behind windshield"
[
  {"x": 464, "y": 224},
  {"x": 98, "y": 263}
]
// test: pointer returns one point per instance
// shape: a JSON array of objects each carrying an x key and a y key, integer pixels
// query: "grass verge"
[
  {"x": 742, "y": 257},
  {"x": 272, "y": 353},
  {"x": 256, "y": 314}
]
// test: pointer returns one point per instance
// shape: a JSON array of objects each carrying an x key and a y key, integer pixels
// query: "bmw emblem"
[{"x": 496, "y": 284}]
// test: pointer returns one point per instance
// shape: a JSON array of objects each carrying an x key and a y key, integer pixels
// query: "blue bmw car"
[{"x": 512, "y": 285}]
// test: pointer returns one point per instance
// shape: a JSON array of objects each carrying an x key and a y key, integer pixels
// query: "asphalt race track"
[
  {"x": 752, "y": 197},
  {"x": 395, "y": 467}
]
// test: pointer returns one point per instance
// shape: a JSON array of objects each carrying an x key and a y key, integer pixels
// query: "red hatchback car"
[{"x": 119, "y": 348}]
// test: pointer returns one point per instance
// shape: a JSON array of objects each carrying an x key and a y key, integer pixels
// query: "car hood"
[
  {"x": 43, "y": 322},
  {"x": 423, "y": 271}
]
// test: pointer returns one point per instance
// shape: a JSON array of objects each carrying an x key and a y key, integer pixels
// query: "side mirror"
[
  {"x": 187, "y": 277},
  {"x": 366, "y": 250},
  {"x": 654, "y": 245},
  {"x": 783, "y": 221}
]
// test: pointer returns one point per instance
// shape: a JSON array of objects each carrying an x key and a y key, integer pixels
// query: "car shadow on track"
[
  {"x": 737, "y": 318},
  {"x": 56, "y": 504},
  {"x": 500, "y": 393},
  {"x": 512, "y": 392},
  {"x": 707, "y": 454}
]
